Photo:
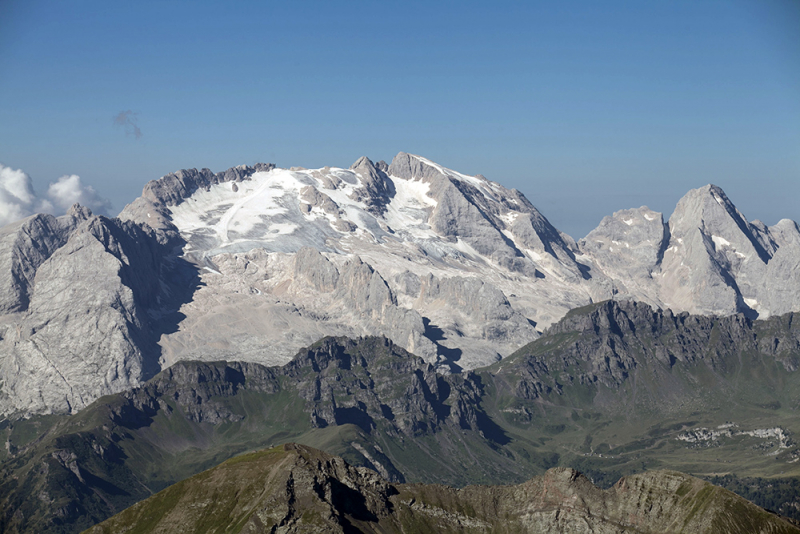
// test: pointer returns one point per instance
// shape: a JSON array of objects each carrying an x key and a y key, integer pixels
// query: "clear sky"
[{"x": 587, "y": 107}]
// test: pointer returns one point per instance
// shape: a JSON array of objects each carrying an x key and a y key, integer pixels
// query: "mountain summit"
[
  {"x": 257, "y": 261},
  {"x": 296, "y": 489}
]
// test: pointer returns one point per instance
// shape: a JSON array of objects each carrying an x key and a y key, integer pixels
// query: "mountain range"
[
  {"x": 254, "y": 263},
  {"x": 612, "y": 389}
]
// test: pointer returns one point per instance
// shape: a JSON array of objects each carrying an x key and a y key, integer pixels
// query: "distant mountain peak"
[{"x": 455, "y": 268}]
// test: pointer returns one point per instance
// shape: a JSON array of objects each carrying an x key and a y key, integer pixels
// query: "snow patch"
[
  {"x": 410, "y": 208},
  {"x": 720, "y": 241},
  {"x": 484, "y": 186}
]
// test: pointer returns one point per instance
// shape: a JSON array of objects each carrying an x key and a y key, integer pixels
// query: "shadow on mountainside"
[
  {"x": 448, "y": 355},
  {"x": 179, "y": 279}
]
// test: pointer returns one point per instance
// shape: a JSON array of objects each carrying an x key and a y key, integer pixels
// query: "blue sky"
[{"x": 587, "y": 107}]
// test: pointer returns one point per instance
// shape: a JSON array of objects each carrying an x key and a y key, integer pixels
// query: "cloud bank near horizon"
[{"x": 18, "y": 199}]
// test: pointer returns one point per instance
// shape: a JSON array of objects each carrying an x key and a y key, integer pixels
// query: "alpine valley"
[{"x": 430, "y": 326}]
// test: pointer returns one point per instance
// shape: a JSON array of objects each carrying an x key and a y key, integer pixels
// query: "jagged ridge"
[
  {"x": 294, "y": 488},
  {"x": 619, "y": 380},
  {"x": 256, "y": 262}
]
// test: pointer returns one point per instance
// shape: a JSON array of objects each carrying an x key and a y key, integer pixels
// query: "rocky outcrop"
[
  {"x": 24, "y": 246},
  {"x": 372, "y": 382},
  {"x": 84, "y": 328},
  {"x": 175, "y": 187},
  {"x": 628, "y": 248},
  {"x": 152, "y": 208},
  {"x": 608, "y": 345},
  {"x": 376, "y": 188},
  {"x": 295, "y": 488},
  {"x": 708, "y": 259},
  {"x": 369, "y": 384},
  {"x": 455, "y": 268},
  {"x": 613, "y": 369},
  {"x": 415, "y": 220},
  {"x": 363, "y": 291}
]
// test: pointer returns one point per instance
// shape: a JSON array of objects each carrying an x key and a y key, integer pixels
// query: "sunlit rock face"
[{"x": 255, "y": 262}]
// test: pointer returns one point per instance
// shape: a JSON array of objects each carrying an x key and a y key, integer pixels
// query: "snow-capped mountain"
[{"x": 256, "y": 262}]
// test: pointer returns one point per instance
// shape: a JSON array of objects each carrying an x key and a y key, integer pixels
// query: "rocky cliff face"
[
  {"x": 609, "y": 346},
  {"x": 78, "y": 324},
  {"x": 294, "y": 488},
  {"x": 463, "y": 270},
  {"x": 707, "y": 259},
  {"x": 356, "y": 394},
  {"x": 256, "y": 262},
  {"x": 611, "y": 389},
  {"x": 27, "y": 244}
]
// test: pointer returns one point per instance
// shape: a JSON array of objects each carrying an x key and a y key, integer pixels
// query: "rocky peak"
[
  {"x": 785, "y": 232},
  {"x": 716, "y": 260},
  {"x": 88, "y": 292},
  {"x": 25, "y": 246},
  {"x": 411, "y": 167},
  {"x": 628, "y": 247},
  {"x": 376, "y": 188},
  {"x": 173, "y": 188},
  {"x": 287, "y": 488},
  {"x": 76, "y": 211},
  {"x": 709, "y": 210}
]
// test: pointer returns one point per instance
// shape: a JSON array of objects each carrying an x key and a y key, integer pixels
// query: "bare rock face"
[
  {"x": 716, "y": 258},
  {"x": 376, "y": 189},
  {"x": 628, "y": 248},
  {"x": 24, "y": 246},
  {"x": 467, "y": 307},
  {"x": 708, "y": 259},
  {"x": 81, "y": 327},
  {"x": 782, "y": 279},
  {"x": 366, "y": 225},
  {"x": 717, "y": 261},
  {"x": 455, "y": 268},
  {"x": 464, "y": 212}
]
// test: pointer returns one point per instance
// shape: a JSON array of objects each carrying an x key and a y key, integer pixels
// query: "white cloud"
[
  {"x": 68, "y": 190},
  {"x": 18, "y": 198}
]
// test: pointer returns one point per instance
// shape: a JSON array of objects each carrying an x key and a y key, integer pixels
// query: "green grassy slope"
[
  {"x": 613, "y": 389},
  {"x": 299, "y": 489}
]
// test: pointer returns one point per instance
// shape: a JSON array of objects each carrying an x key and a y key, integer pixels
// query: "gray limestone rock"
[
  {"x": 173, "y": 188},
  {"x": 376, "y": 188},
  {"x": 470, "y": 308},
  {"x": 715, "y": 259},
  {"x": 24, "y": 246},
  {"x": 455, "y": 268},
  {"x": 152, "y": 208},
  {"x": 781, "y": 291},
  {"x": 358, "y": 288},
  {"x": 409, "y": 167},
  {"x": 317, "y": 199},
  {"x": 628, "y": 248},
  {"x": 408, "y": 283},
  {"x": 461, "y": 214},
  {"x": 709, "y": 259},
  {"x": 86, "y": 331},
  {"x": 316, "y": 269}
]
